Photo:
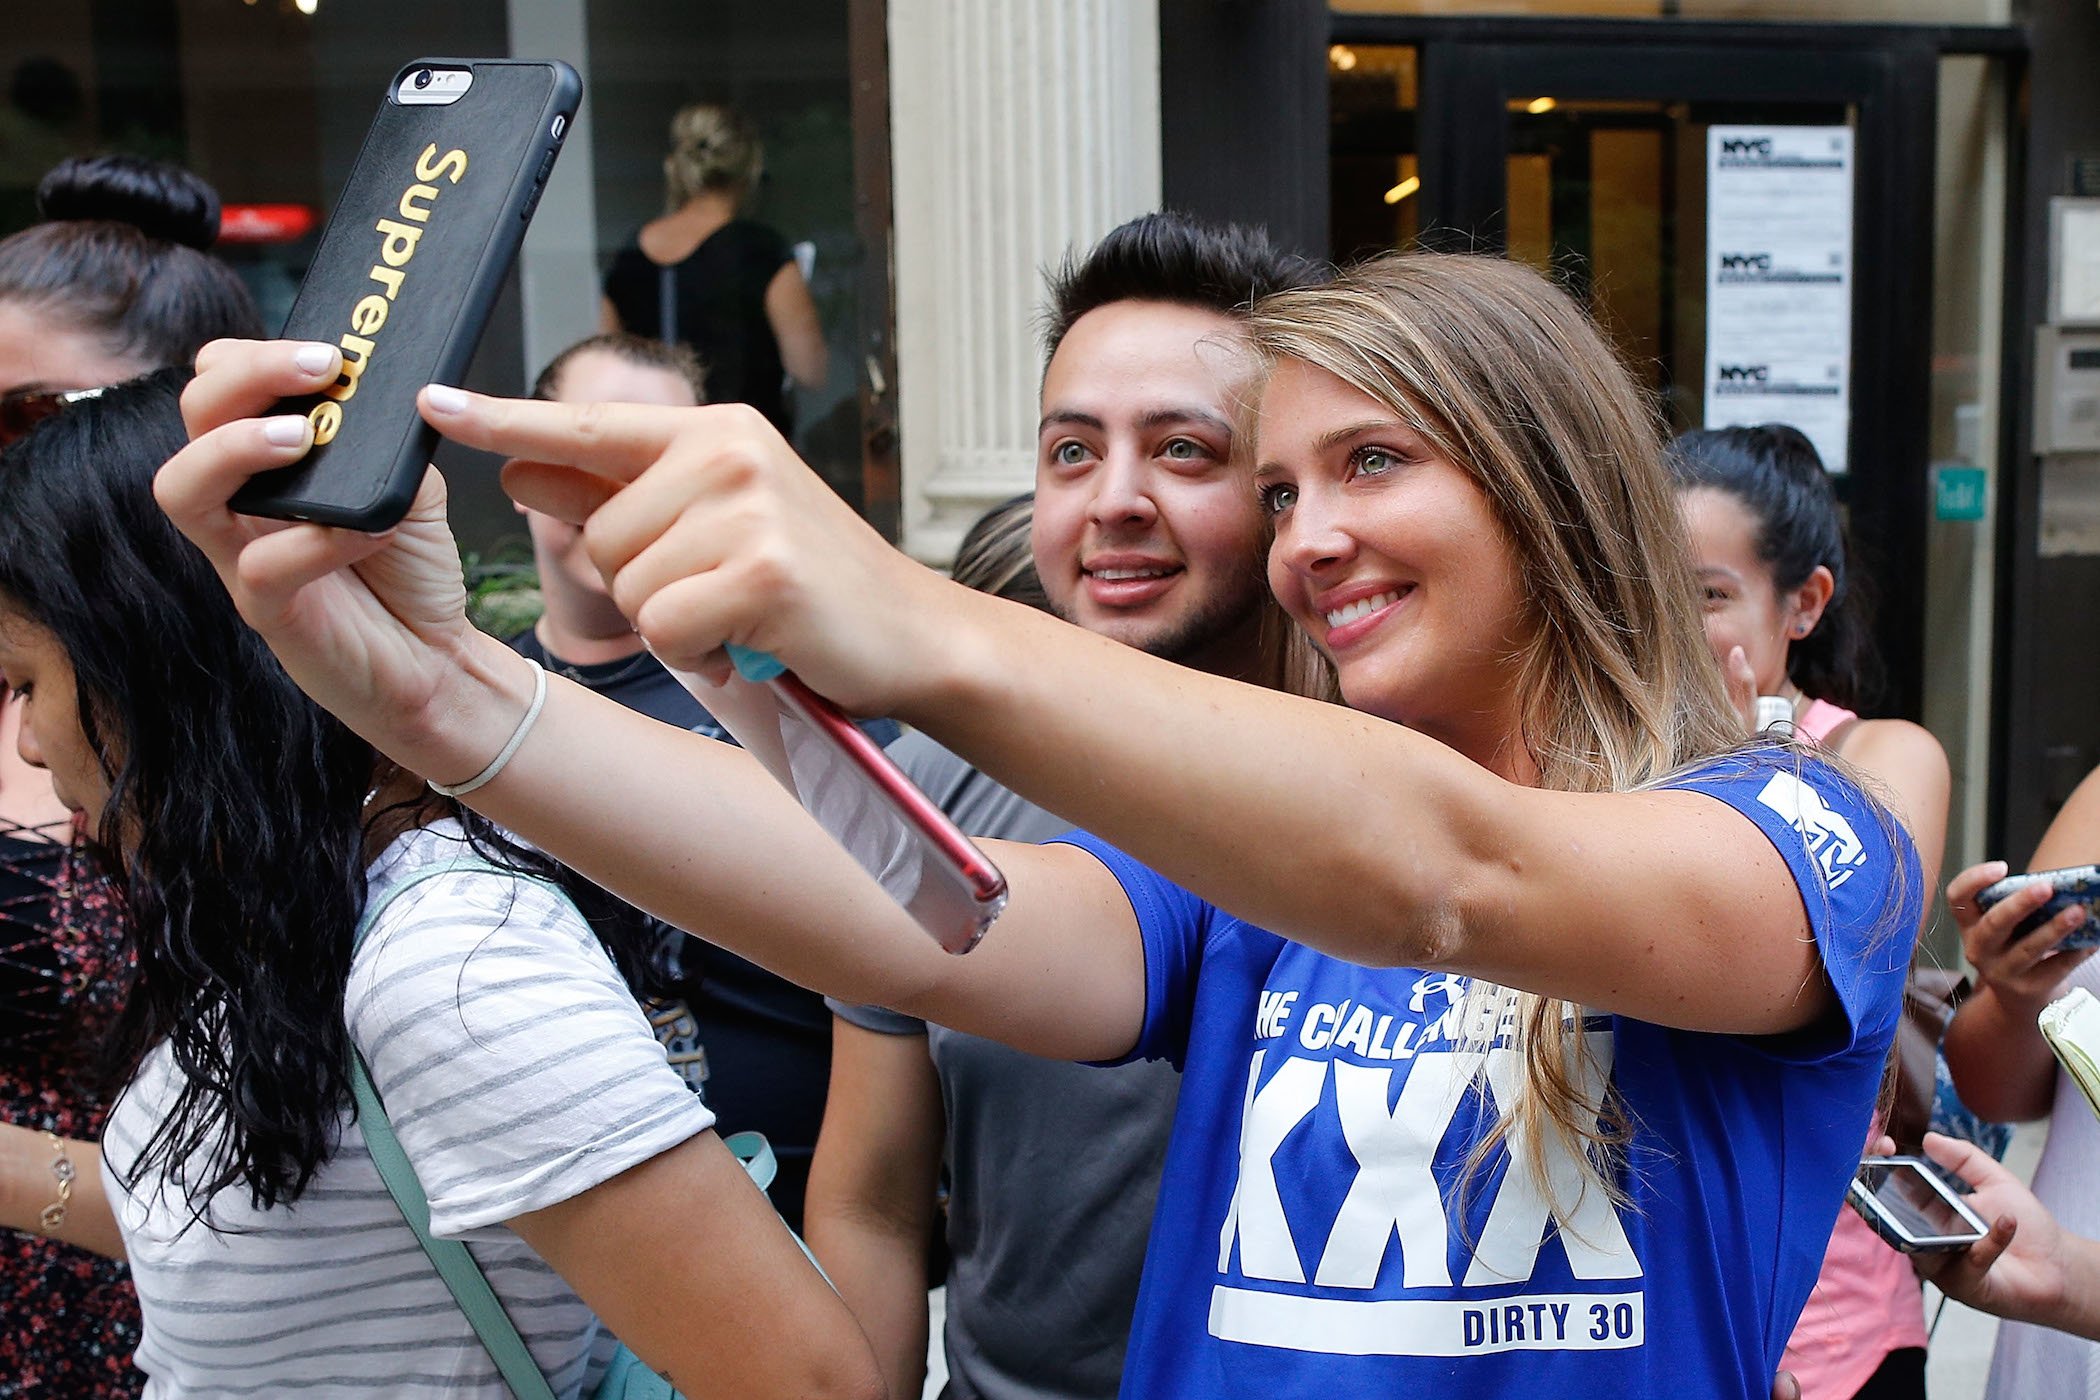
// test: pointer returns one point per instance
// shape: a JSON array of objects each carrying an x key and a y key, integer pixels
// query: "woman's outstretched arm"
[
  {"x": 1350, "y": 834},
  {"x": 699, "y": 834}
]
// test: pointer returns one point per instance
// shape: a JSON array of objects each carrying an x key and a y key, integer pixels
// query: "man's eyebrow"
[
  {"x": 1167, "y": 417},
  {"x": 1149, "y": 421},
  {"x": 1070, "y": 418}
]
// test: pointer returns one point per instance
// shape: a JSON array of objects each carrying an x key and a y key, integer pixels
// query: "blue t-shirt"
[{"x": 1314, "y": 1235}]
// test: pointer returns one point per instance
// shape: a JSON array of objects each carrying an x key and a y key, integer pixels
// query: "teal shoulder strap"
[
  {"x": 469, "y": 1286},
  {"x": 462, "y": 1276}
]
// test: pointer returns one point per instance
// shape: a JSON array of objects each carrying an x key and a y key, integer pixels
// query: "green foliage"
[{"x": 503, "y": 589}]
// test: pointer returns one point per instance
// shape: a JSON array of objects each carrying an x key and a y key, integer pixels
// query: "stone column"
[{"x": 1020, "y": 129}]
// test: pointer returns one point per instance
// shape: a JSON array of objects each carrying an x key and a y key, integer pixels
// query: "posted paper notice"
[{"x": 1779, "y": 280}]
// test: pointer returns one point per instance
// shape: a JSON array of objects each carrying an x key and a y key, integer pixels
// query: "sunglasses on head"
[{"x": 23, "y": 409}]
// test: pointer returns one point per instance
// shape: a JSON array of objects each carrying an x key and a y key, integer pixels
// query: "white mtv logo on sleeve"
[{"x": 1827, "y": 834}]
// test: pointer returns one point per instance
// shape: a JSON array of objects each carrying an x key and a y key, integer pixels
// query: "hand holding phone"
[
  {"x": 412, "y": 261},
  {"x": 1907, "y": 1202},
  {"x": 2075, "y": 885}
]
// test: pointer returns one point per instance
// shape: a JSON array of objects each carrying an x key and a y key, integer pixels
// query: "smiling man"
[
  {"x": 1146, "y": 527},
  {"x": 1146, "y": 530}
]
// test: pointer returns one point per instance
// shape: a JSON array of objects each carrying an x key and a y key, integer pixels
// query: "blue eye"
[
  {"x": 1069, "y": 453},
  {"x": 1275, "y": 500},
  {"x": 1183, "y": 450}
]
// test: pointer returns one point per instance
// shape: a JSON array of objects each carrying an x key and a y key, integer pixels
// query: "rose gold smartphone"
[
  {"x": 859, "y": 795},
  {"x": 959, "y": 892}
]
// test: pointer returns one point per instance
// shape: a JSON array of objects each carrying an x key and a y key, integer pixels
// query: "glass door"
[{"x": 1623, "y": 168}]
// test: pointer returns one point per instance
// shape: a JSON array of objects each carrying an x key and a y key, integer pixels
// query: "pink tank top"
[
  {"x": 1822, "y": 719},
  {"x": 1866, "y": 1302}
]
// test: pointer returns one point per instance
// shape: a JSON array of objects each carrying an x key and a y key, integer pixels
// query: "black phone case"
[{"x": 410, "y": 264}]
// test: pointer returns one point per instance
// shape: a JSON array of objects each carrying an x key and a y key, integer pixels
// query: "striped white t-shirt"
[{"x": 517, "y": 1071}]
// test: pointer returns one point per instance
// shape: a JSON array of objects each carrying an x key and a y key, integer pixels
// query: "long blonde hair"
[{"x": 1505, "y": 377}]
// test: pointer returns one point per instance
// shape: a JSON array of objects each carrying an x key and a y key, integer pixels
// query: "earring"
[{"x": 1800, "y": 629}]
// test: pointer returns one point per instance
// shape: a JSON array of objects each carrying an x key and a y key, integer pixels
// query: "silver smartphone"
[{"x": 1909, "y": 1204}]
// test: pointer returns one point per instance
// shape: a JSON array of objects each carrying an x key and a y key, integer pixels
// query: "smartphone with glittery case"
[
  {"x": 955, "y": 891},
  {"x": 2077, "y": 884}
]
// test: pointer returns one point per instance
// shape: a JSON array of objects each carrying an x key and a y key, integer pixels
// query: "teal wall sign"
[{"x": 1958, "y": 493}]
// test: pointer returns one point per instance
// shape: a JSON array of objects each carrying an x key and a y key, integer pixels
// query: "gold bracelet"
[{"x": 54, "y": 1215}]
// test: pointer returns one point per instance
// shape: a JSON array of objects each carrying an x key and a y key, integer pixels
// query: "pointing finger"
[{"x": 614, "y": 441}]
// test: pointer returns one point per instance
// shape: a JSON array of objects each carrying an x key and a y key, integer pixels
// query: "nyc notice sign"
[{"x": 1779, "y": 280}]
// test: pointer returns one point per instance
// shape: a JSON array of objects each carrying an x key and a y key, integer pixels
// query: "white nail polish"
[
  {"x": 289, "y": 431},
  {"x": 446, "y": 399},
  {"x": 314, "y": 359}
]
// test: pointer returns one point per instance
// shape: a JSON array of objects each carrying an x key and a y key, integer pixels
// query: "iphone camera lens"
[{"x": 422, "y": 78}]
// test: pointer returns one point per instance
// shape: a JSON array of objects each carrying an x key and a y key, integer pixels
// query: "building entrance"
[{"x": 1749, "y": 220}]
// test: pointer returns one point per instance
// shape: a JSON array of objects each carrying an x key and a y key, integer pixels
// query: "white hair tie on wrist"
[{"x": 517, "y": 740}]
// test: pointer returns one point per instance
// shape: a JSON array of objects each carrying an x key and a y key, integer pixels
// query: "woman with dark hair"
[
  {"x": 113, "y": 282},
  {"x": 297, "y": 901},
  {"x": 116, "y": 279},
  {"x": 1783, "y": 605}
]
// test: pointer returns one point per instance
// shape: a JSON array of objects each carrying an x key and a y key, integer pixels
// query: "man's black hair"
[{"x": 1173, "y": 258}]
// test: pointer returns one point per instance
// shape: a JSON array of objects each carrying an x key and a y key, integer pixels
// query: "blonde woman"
[
  {"x": 729, "y": 287},
  {"x": 1531, "y": 1055}
]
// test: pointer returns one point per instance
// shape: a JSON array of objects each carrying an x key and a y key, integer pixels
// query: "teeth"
[
  {"x": 1122, "y": 575},
  {"x": 1362, "y": 607}
]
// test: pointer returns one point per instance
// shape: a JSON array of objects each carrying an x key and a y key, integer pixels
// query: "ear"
[{"x": 1805, "y": 604}]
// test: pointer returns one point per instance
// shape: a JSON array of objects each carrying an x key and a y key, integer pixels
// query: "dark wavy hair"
[
  {"x": 235, "y": 828},
  {"x": 1774, "y": 471},
  {"x": 121, "y": 254},
  {"x": 1172, "y": 258}
]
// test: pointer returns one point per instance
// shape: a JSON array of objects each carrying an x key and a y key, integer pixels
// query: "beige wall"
[{"x": 1968, "y": 264}]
